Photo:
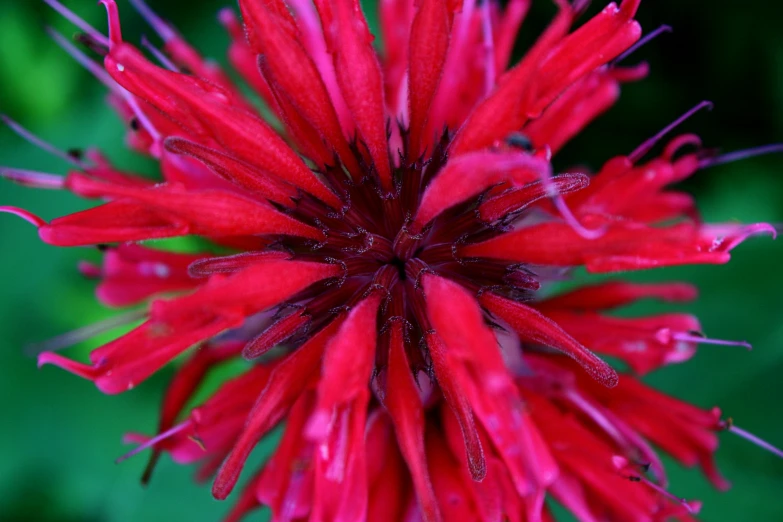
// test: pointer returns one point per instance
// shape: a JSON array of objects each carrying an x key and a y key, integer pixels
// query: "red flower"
[{"x": 389, "y": 225}]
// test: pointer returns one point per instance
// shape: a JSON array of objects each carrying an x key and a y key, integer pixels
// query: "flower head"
[{"x": 379, "y": 241}]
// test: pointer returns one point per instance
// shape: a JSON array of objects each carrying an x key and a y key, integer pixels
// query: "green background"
[{"x": 59, "y": 436}]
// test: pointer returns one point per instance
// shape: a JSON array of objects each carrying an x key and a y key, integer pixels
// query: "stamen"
[
  {"x": 158, "y": 54},
  {"x": 157, "y": 149},
  {"x": 761, "y": 443},
  {"x": 31, "y": 178},
  {"x": 696, "y": 337},
  {"x": 78, "y": 22},
  {"x": 597, "y": 416},
  {"x": 154, "y": 440},
  {"x": 691, "y": 506},
  {"x": 81, "y": 58},
  {"x": 163, "y": 29},
  {"x": 84, "y": 333},
  {"x": 645, "y": 147},
  {"x": 740, "y": 155},
  {"x": 641, "y": 43},
  {"x": 574, "y": 223},
  {"x": 24, "y": 214},
  {"x": 41, "y": 144}
]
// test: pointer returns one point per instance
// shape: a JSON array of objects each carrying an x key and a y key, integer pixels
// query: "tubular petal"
[
  {"x": 347, "y": 365},
  {"x": 210, "y": 213},
  {"x": 239, "y": 292},
  {"x": 407, "y": 414},
  {"x": 427, "y": 54},
  {"x": 614, "y": 294},
  {"x": 451, "y": 378},
  {"x": 234, "y": 170},
  {"x": 532, "y": 326},
  {"x": 247, "y": 136},
  {"x": 359, "y": 76},
  {"x": 285, "y": 384},
  {"x": 471, "y": 174},
  {"x": 291, "y": 72}
]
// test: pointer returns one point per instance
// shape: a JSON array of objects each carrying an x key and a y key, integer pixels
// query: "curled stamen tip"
[
  {"x": 744, "y": 232},
  {"x": 763, "y": 228},
  {"x": 115, "y": 32},
  {"x": 589, "y": 233},
  {"x": 24, "y": 214},
  {"x": 44, "y": 359}
]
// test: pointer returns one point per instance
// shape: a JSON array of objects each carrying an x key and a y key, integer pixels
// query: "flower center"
[{"x": 399, "y": 264}]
